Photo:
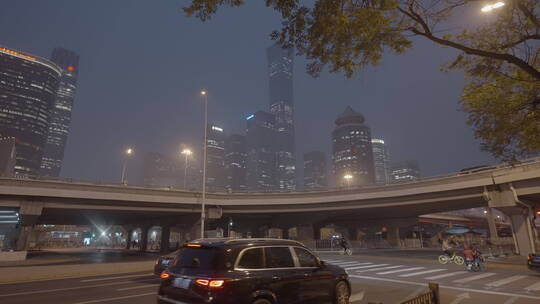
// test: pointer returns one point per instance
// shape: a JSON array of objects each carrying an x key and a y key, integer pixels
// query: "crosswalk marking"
[
  {"x": 440, "y": 276},
  {"x": 356, "y": 266},
  {"x": 380, "y": 268},
  {"x": 533, "y": 287},
  {"x": 366, "y": 266},
  {"x": 506, "y": 281},
  {"x": 401, "y": 270},
  {"x": 345, "y": 264},
  {"x": 474, "y": 278},
  {"x": 420, "y": 272}
]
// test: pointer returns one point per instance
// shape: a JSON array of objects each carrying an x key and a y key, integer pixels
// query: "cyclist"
[
  {"x": 344, "y": 244},
  {"x": 447, "y": 248}
]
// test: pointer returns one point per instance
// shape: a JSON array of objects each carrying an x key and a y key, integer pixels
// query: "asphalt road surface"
[{"x": 374, "y": 280}]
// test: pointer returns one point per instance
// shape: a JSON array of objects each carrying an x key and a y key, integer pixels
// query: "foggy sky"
[{"x": 143, "y": 63}]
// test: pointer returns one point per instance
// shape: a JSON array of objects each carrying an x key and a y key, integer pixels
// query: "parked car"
[
  {"x": 163, "y": 262},
  {"x": 251, "y": 271},
  {"x": 533, "y": 261}
]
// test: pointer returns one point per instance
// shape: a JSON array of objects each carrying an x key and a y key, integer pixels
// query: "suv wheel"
[
  {"x": 342, "y": 293},
  {"x": 261, "y": 301}
]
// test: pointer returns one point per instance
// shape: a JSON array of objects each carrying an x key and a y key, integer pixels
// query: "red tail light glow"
[
  {"x": 210, "y": 283},
  {"x": 202, "y": 282},
  {"x": 164, "y": 275}
]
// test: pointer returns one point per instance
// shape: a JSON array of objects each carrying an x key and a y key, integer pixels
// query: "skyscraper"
[
  {"x": 261, "y": 151},
  {"x": 7, "y": 156},
  {"x": 28, "y": 87},
  {"x": 405, "y": 171},
  {"x": 236, "y": 162},
  {"x": 315, "y": 171},
  {"x": 381, "y": 161},
  {"x": 215, "y": 158},
  {"x": 162, "y": 171},
  {"x": 280, "y": 71},
  {"x": 60, "y": 120},
  {"x": 352, "y": 152}
]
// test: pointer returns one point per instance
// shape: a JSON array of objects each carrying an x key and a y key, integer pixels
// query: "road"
[{"x": 374, "y": 280}]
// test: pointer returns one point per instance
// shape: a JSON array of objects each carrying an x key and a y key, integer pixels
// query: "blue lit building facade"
[
  {"x": 60, "y": 120},
  {"x": 236, "y": 162},
  {"x": 28, "y": 87},
  {"x": 280, "y": 71}
]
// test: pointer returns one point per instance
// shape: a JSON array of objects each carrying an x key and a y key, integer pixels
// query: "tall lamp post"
[
  {"x": 203, "y": 196},
  {"x": 186, "y": 153},
  {"x": 128, "y": 152},
  {"x": 348, "y": 178}
]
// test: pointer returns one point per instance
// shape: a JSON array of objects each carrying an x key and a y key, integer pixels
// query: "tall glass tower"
[
  {"x": 28, "y": 87},
  {"x": 60, "y": 120},
  {"x": 381, "y": 160},
  {"x": 280, "y": 72}
]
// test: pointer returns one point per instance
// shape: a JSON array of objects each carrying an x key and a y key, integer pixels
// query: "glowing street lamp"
[
  {"x": 187, "y": 153},
  {"x": 128, "y": 153},
  {"x": 203, "y": 196},
  {"x": 490, "y": 7}
]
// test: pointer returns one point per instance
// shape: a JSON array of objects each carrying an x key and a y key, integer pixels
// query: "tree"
[{"x": 501, "y": 58}]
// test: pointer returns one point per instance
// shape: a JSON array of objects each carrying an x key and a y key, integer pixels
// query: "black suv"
[{"x": 251, "y": 271}]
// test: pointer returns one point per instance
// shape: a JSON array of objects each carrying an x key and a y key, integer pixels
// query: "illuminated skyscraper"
[
  {"x": 381, "y": 161},
  {"x": 315, "y": 171},
  {"x": 261, "y": 151},
  {"x": 352, "y": 152},
  {"x": 60, "y": 120},
  {"x": 280, "y": 71},
  {"x": 215, "y": 159},
  {"x": 236, "y": 162},
  {"x": 405, "y": 171},
  {"x": 28, "y": 87}
]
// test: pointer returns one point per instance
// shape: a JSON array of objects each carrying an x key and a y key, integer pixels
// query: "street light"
[
  {"x": 490, "y": 7},
  {"x": 348, "y": 178},
  {"x": 204, "y": 94},
  {"x": 187, "y": 153},
  {"x": 128, "y": 153}
]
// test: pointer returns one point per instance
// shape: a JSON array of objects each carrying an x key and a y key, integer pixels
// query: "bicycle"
[
  {"x": 443, "y": 259},
  {"x": 347, "y": 251}
]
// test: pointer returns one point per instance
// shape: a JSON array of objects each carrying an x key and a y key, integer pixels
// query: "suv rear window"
[
  {"x": 252, "y": 259},
  {"x": 278, "y": 257},
  {"x": 203, "y": 258}
]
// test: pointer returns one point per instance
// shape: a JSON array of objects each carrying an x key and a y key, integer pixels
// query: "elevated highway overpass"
[{"x": 515, "y": 190}]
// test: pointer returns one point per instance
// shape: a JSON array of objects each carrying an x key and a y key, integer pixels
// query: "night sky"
[{"x": 143, "y": 64}]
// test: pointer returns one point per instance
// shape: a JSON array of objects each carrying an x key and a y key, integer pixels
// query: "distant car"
[
  {"x": 533, "y": 261},
  {"x": 251, "y": 271},
  {"x": 163, "y": 262}
]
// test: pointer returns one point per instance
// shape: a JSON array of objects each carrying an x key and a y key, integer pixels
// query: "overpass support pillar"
[
  {"x": 144, "y": 238},
  {"x": 29, "y": 213},
  {"x": 491, "y": 224},
  {"x": 505, "y": 199},
  {"x": 165, "y": 237},
  {"x": 129, "y": 237}
]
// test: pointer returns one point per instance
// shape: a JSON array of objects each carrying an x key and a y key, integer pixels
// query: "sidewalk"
[{"x": 34, "y": 273}]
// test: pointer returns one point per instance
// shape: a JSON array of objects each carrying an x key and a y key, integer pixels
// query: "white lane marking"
[
  {"x": 140, "y": 286},
  {"x": 511, "y": 300},
  {"x": 368, "y": 266},
  {"x": 62, "y": 278},
  {"x": 345, "y": 263},
  {"x": 474, "y": 278},
  {"x": 506, "y": 281},
  {"x": 355, "y": 266},
  {"x": 117, "y": 298},
  {"x": 120, "y": 277},
  {"x": 533, "y": 287},
  {"x": 440, "y": 276},
  {"x": 460, "y": 297},
  {"x": 498, "y": 293},
  {"x": 357, "y": 297},
  {"x": 401, "y": 270},
  {"x": 379, "y": 268},
  {"x": 421, "y": 272},
  {"x": 72, "y": 288}
]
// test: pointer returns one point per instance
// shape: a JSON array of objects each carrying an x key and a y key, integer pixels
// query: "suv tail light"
[
  {"x": 210, "y": 283},
  {"x": 164, "y": 275}
]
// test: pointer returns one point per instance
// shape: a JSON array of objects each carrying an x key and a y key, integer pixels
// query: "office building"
[
  {"x": 261, "y": 151},
  {"x": 7, "y": 156},
  {"x": 236, "y": 162},
  {"x": 215, "y": 156},
  {"x": 280, "y": 72},
  {"x": 381, "y": 161},
  {"x": 60, "y": 119},
  {"x": 405, "y": 171},
  {"x": 162, "y": 171},
  {"x": 315, "y": 171},
  {"x": 28, "y": 87},
  {"x": 352, "y": 152}
]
